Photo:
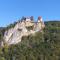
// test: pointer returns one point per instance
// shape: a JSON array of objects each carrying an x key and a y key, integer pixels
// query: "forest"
[{"x": 43, "y": 45}]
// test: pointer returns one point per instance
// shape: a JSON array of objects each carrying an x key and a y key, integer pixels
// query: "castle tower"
[
  {"x": 32, "y": 18},
  {"x": 28, "y": 21},
  {"x": 40, "y": 23},
  {"x": 39, "y": 19}
]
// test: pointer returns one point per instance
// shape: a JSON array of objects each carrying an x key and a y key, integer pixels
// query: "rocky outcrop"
[{"x": 22, "y": 28}]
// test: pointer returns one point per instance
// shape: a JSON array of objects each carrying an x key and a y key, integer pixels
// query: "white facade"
[{"x": 13, "y": 35}]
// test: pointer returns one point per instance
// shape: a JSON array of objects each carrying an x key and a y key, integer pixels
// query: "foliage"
[{"x": 43, "y": 45}]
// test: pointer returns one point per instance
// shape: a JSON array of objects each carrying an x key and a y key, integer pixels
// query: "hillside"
[
  {"x": 24, "y": 27},
  {"x": 42, "y": 46}
]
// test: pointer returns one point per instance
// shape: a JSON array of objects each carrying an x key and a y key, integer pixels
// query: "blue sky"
[{"x": 12, "y": 10}]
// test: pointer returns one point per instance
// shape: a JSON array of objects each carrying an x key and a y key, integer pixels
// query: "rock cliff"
[{"x": 24, "y": 27}]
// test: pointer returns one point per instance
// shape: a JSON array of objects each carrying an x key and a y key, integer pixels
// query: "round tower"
[
  {"x": 31, "y": 18},
  {"x": 39, "y": 19}
]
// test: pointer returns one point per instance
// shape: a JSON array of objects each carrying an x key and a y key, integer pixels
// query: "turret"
[
  {"x": 28, "y": 19},
  {"x": 31, "y": 18},
  {"x": 39, "y": 19}
]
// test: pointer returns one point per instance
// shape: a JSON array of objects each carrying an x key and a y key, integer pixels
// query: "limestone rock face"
[{"x": 14, "y": 35}]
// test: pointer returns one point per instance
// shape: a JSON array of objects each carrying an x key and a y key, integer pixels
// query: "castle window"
[{"x": 19, "y": 29}]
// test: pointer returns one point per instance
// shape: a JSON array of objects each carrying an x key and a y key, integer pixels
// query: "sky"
[{"x": 13, "y": 10}]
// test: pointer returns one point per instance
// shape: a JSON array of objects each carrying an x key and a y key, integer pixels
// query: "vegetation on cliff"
[{"x": 43, "y": 45}]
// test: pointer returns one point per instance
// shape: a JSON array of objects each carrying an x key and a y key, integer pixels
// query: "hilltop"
[
  {"x": 41, "y": 46},
  {"x": 23, "y": 27}
]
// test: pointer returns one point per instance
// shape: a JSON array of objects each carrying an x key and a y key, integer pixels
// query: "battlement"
[
  {"x": 29, "y": 21},
  {"x": 24, "y": 27}
]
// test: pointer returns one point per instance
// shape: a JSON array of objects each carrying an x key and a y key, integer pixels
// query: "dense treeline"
[{"x": 43, "y": 45}]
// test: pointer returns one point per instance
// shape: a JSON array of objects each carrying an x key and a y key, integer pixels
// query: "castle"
[
  {"x": 24, "y": 27},
  {"x": 29, "y": 21}
]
